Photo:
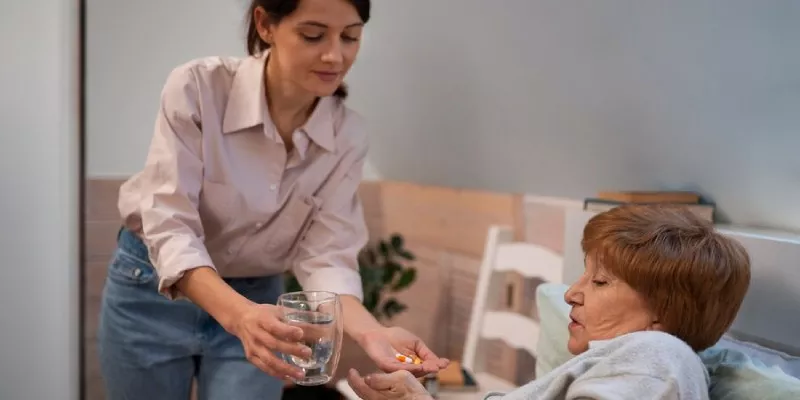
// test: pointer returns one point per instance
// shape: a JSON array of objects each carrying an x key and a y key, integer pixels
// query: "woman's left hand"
[
  {"x": 399, "y": 385},
  {"x": 383, "y": 344}
]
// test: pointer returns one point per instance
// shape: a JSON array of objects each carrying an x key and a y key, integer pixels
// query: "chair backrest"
[{"x": 503, "y": 254}]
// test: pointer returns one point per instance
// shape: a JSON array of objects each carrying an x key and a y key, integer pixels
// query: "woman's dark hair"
[{"x": 279, "y": 9}]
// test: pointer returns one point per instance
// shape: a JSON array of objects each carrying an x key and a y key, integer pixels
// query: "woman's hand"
[
  {"x": 262, "y": 333},
  {"x": 383, "y": 344},
  {"x": 399, "y": 385}
]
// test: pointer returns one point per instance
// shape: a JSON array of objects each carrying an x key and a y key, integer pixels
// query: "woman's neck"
[{"x": 289, "y": 106}]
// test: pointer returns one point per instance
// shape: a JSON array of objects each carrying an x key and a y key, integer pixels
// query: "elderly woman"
[{"x": 659, "y": 286}]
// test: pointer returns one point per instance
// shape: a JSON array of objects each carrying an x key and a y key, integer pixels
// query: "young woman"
[{"x": 253, "y": 169}]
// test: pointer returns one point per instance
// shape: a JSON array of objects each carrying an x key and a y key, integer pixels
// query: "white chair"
[{"x": 502, "y": 254}]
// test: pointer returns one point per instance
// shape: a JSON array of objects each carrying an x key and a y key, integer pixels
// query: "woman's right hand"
[
  {"x": 262, "y": 333},
  {"x": 398, "y": 385}
]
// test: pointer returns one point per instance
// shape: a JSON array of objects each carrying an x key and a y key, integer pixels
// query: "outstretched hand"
[
  {"x": 399, "y": 385},
  {"x": 383, "y": 344}
]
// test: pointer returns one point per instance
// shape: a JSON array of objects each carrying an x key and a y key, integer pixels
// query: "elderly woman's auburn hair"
[{"x": 693, "y": 278}]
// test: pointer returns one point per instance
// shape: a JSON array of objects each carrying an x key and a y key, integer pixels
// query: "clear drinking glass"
[{"x": 319, "y": 314}]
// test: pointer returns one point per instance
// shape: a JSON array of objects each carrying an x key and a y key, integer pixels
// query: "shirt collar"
[
  {"x": 247, "y": 105},
  {"x": 247, "y": 101},
  {"x": 320, "y": 125}
]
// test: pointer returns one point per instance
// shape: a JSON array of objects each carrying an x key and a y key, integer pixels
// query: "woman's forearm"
[
  {"x": 357, "y": 319},
  {"x": 205, "y": 288}
]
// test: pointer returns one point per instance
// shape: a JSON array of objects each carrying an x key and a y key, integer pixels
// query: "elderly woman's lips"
[{"x": 573, "y": 324}]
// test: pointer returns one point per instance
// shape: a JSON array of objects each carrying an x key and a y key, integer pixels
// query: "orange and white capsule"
[{"x": 407, "y": 359}]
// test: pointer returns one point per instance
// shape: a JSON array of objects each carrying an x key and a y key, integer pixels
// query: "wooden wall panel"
[{"x": 455, "y": 220}]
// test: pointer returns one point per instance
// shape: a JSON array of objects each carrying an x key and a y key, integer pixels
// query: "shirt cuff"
[
  {"x": 340, "y": 280},
  {"x": 172, "y": 265}
]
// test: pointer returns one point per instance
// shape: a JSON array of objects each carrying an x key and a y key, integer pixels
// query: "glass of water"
[{"x": 319, "y": 315}]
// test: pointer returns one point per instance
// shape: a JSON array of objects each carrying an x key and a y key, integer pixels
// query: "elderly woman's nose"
[{"x": 572, "y": 296}]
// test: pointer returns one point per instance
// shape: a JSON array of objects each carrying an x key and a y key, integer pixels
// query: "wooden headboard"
[{"x": 770, "y": 314}]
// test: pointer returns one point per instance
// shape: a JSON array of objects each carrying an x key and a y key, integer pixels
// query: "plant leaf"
[
  {"x": 371, "y": 277},
  {"x": 406, "y": 254},
  {"x": 383, "y": 247},
  {"x": 392, "y": 307},
  {"x": 406, "y": 279},
  {"x": 371, "y": 301},
  {"x": 397, "y": 242},
  {"x": 390, "y": 271}
]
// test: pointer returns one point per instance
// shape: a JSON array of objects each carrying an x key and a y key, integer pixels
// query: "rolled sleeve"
[
  {"x": 327, "y": 257},
  {"x": 170, "y": 185}
]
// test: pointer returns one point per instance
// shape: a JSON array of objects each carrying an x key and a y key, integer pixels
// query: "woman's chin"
[
  {"x": 576, "y": 346},
  {"x": 323, "y": 89}
]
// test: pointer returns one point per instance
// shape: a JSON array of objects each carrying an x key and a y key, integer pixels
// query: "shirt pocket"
[{"x": 291, "y": 225}]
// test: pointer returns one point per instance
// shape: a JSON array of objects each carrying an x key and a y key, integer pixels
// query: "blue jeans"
[{"x": 151, "y": 347}]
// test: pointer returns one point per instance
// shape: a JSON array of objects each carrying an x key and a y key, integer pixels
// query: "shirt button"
[
  {"x": 273, "y": 186},
  {"x": 137, "y": 272}
]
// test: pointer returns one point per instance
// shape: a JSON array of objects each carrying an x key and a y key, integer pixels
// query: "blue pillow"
[{"x": 737, "y": 376}]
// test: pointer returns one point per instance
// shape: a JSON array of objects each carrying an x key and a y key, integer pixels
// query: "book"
[{"x": 650, "y": 196}]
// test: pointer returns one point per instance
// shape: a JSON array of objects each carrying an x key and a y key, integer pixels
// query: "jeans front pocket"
[{"x": 127, "y": 269}]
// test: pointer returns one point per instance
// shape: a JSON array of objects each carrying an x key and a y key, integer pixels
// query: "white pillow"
[{"x": 551, "y": 349}]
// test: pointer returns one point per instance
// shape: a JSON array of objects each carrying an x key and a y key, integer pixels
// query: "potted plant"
[{"x": 384, "y": 272}]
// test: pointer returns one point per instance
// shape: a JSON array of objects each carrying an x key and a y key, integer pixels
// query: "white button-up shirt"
[{"x": 220, "y": 190}]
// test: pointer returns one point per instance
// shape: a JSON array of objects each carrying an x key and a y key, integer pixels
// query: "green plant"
[{"x": 383, "y": 272}]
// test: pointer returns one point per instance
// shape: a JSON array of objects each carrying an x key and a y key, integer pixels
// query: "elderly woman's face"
[{"x": 604, "y": 307}]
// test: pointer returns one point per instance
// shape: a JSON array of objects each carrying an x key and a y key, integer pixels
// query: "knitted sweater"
[{"x": 636, "y": 366}]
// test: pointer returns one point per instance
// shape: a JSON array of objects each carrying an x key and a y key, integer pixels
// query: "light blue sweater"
[{"x": 636, "y": 366}]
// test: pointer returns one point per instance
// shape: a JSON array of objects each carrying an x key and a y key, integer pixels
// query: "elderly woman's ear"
[
  {"x": 399, "y": 385},
  {"x": 656, "y": 326}
]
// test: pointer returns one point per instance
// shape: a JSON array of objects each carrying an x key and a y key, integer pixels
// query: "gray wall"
[
  {"x": 39, "y": 201},
  {"x": 551, "y": 97}
]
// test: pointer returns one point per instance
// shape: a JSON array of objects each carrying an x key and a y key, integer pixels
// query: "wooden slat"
[
  {"x": 512, "y": 328},
  {"x": 530, "y": 261}
]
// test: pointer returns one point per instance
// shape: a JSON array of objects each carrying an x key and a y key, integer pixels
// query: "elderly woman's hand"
[{"x": 399, "y": 385}]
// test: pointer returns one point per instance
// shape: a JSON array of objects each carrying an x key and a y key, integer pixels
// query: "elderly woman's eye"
[
  {"x": 311, "y": 38},
  {"x": 599, "y": 283}
]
